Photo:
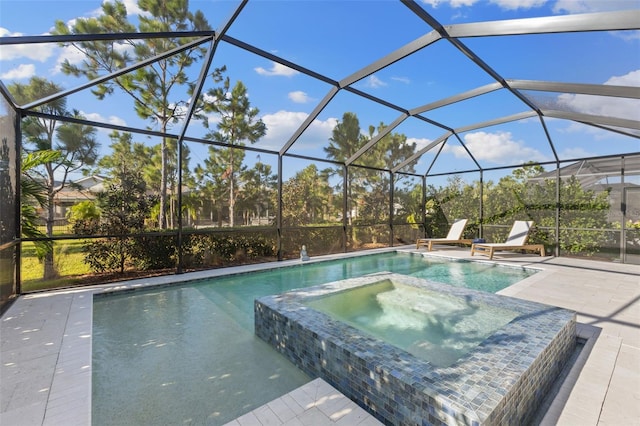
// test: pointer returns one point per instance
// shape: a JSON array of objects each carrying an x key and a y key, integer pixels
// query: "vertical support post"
[
  {"x": 345, "y": 206},
  {"x": 558, "y": 208},
  {"x": 481, "y": 206},
  {"x": 623, "y": 209},
  {"x": 279, "y": 210},
  {"x": 391, "y": 196},
  {"x": 17, "y": 276},
  {"x": 179, "y": 212},
  {"x": 423, "y": 208}
]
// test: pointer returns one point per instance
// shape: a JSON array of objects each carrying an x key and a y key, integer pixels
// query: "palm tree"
[
  {"x": 32, "y": 195},
  {"x": 76, "y": 145}
]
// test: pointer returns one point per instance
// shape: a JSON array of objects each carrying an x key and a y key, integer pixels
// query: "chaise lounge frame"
[
  {"x": 453, "y": 237},
  {"x": 517, "y": 240}
]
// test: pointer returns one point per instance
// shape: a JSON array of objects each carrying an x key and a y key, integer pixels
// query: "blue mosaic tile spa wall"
[{"x": 502, "y": 381}]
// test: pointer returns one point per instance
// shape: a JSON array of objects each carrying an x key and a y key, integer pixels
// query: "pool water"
[
  {"x": 188, "y": 354},
  {"x": 436, "y": 327}
]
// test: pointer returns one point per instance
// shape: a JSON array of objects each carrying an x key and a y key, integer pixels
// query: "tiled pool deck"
[{"x": 45, "y": 352}]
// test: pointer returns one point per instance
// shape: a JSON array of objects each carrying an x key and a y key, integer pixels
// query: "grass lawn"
[{"x": 68, "y": 258}]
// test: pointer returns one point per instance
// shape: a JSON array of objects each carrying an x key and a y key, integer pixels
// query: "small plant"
[{"x": 84, "y": 218}]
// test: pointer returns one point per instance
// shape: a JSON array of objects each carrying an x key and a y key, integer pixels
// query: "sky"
[{"x": 339, "y": 38}]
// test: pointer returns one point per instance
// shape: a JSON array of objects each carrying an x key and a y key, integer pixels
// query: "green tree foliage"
[
  {"x": 407, "y": 202},
  {"x": 372, "y": 203},
  {"x": 84, "y": 217},
  {"x": 125, "y": 207},
  {"x": 158, "y": 90},
  {"x": 346, "y": 139},
  {"x": 238, "y": 124},
  {"x": 523, "y": 195},
  {"x": 388, "y": 151},
  {"x": 368, "y": 190},
  {"x": 455, "y": 201},
  {"x": 306, "y": 198},
  {"x": 75, "y": 143},
  {"x": 32, "y": 196},
  {"x": 391, "y": 150},
  {"x": 583, "y": 215},
  {"x": 211, "y": 185},
  {"x": 127, "y": 155},
  {"x": 259, "y": 187}
]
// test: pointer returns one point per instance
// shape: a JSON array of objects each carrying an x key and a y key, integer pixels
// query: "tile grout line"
[
  {"x": 53, "y": 376},
  {"x": 604, "y": 397},
  {"x": 77, "y": 299}
]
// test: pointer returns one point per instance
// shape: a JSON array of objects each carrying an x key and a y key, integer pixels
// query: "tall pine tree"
[{"x": 153, "y": 87}]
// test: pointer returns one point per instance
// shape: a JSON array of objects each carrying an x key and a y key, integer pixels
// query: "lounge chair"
[
  {"x": 453, "y": 237},
  {"x": 517, "y": 240}
]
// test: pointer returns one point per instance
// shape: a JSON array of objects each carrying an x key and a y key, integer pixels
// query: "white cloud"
[
  {"x": 277, "y": 70},
  {"x": 630, "y": 79},
  {"x": 282, "y": 124},
  {"x": 560, "y": 6},
  {"x": 34, "y": 51},
  {"x": 595, "y": 133},
  {"x": 605, "y": 105},
  {"x": 575, "y": 153},
  {"x": 452, "y": 3},
  {"x": 585, "y": 6},
  {"x": 132, "y": 8},
  {"x": 627, "y": 35},
  {"x": 299, "y": 97},
  {"x": 518, "y": 4},
  {"x": 74, "y": 56},
  {"x": 23, "y": 71},
  {"x": 405, "y": 80},
  {"x": 374, "y": 82},
  {"x": 420, "y": 142},
  {"x": 504, "y": 4},
  {"x": 496, "y": 148},
  {"x": 131, "y": 5},
  {"x": 112, "y": 119}
]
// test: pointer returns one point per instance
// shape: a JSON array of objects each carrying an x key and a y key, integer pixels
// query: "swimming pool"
[{"x": 188, "y": 354}]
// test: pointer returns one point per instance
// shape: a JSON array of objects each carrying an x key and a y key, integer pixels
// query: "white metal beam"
[{"x": 602, "y": 21}]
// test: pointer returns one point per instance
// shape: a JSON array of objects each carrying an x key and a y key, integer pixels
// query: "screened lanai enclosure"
[{"x": 160, "y": 140}]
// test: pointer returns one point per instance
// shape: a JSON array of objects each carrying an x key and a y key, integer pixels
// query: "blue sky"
[{"x": 338, "y": 38}]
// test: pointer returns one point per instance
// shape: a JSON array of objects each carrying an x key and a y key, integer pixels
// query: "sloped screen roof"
[{"x": 475, "y": 86}]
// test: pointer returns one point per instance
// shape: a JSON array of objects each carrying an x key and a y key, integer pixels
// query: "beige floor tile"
[
  {"x": 266, "y": 416},
  {"x": 622, "y": 405},
  {"x": 31, "y": 414},
  {"x": 315, "y": 417},
  {"x": 249, "y": 419},
  {"x": 292, "y": 404},
  {"x": 282, "y": 410}
]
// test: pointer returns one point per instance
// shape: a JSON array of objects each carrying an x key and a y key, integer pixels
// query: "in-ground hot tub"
[
  {"x": 434, "y": 326},
  {"x": 413, "y": 351}
]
